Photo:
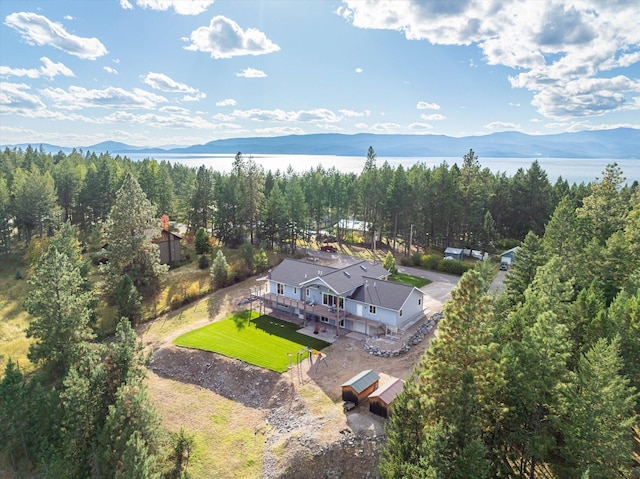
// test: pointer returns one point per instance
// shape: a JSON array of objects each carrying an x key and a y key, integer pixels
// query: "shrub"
[
  {"x": 203, "y": 262},
  {"x": 202, "y": 241},
  {"x": 430, "y": 261},
  {"x": 453, "y": 266}
]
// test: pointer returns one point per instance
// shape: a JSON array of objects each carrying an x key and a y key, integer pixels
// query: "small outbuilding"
[
  {"x": 380, "y": 401},
  {"x": 454, "y": 253},
  {"x": 169, "y": 245},
  {"x": 509, "y": 256},
  {"x": 359, "y": 387}
]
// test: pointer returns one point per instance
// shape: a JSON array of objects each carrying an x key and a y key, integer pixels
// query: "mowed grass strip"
[
  {"x": 410, "y": 280},
  {"x": 259, "y": 340}
]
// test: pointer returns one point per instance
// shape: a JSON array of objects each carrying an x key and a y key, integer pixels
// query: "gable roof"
[
  {"x": 341, "y": 280},
  {"x": 388, "y": 391},
  {"x": 296, "y": 272},
  {"x": 362, "y": 381},
  {"x": 387, "y": 294},
  {"x": 512, "y": 250},
  {"x": 347, "y": 279}
]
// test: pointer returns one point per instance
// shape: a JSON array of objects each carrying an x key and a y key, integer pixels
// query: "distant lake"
[{"x": 574, "y": 170}]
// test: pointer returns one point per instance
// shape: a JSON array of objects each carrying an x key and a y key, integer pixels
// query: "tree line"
[
  {"x": 446, "y": 205},
  {"x": 543, "y": 379}
]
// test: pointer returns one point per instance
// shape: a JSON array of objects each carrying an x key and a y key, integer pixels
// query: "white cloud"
[
  {"x": 113, "y": 71},
  {"x": 39, "y": 30},
  {"x": 224, "y": 38},
  {"x": 379, "y": 127},
  {"x": 279, "y": 131},
  {"x": 227, "y": 102},
  {"x": 586, "y": 97},
  {"x": 552, "y": 42},
  {"x": 16, "y": 96},
  {"x": 175, "y": 109},
  {"x": 329, "y": 127},
  {"x": 420, "y": 127},
  {"x": 49, "y": 70},
  {"x": 311, "y": 116},
  {"x": 126, "y": 4},
  {"x": 251, "y": 73},
  {"x": 501, "y": 125},
  {"x": 354, "y": 114},
  {"x": 223, "y": 117},
  {"x": 78, "y": 97},
  {"x": 68, "y": 17},
  {"x": 165, "y": 120},
  {"x": 160, "y": 81},
  {"x": 195, "y": 97},
  {"x": 181, "y": 7},
  {"x": 423, "y": 105},
  {"x": 433, "y": 117},
  {"x": 514, "y": 104},
  {"x": 359, "y": 70}
]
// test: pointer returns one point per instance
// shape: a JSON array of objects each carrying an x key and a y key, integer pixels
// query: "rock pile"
[{"x": 416, "y": 338}]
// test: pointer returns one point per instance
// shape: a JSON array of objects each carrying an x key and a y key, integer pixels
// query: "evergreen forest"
[{"x": 540, "y": 381}]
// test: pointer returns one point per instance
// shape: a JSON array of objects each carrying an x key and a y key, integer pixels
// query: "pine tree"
[
  {"x": 128, "y": 300},
  {"x": 220, "y": 270},
  {"x": 60, "y": 306},
  {"x": 454, "y": 404},
  {"x": 598, "y": 426},
  {"x": 130, "y": 248},
  {"x": 528, "y": 258},
  {"x": 202, "y": 241},
  {"x": 13, "y": 420}
]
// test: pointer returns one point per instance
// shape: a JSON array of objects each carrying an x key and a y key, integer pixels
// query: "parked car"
[
  {"x": 504, "y": 266},
  {"x": 329, "y": 248}
]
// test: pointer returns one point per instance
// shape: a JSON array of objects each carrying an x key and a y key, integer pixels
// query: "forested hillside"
[
  {"x": 539, "y": 381},
  {"x": 462, "y": 204},
  {"x": 543, "y": 380}
]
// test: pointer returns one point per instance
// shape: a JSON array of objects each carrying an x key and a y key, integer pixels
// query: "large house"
[{"x": 356, "y": 297}]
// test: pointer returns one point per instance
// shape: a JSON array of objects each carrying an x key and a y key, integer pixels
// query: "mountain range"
[{"x": 619, "y": 143}]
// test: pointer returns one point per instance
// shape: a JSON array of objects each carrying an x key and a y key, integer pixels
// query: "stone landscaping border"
[{"x": 413, "y": 340}]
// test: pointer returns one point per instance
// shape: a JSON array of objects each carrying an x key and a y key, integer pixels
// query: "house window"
[
  {"x": 400, "y": 313},
  {"x": 328, "y": 299},
  {"x": 280, "y": 288},
  {"x": 308, "y": 292},
  {"x": 372, "y": 309},
  {"x": 295, "y": 290},
  {"x": 419, "y": 302}
]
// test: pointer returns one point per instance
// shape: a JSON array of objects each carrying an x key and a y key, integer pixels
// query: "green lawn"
[
  {"x": 259, "y": 340},
  {"x": 409, "y": 279}
]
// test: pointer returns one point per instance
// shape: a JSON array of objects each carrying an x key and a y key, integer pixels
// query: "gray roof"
[
  {"x": 295, "y": 272},
  {"x": 340, "y": 280},
  {"x": 512, "y": 250},
  {"x": 362, "y": 381},
  {"x": 387, "y": 294},
  {"x": 347, "y": 279},
  {"x": 388, "y": 391}
]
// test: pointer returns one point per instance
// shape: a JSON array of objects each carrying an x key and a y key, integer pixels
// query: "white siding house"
[{"x": 356, "y": 298}]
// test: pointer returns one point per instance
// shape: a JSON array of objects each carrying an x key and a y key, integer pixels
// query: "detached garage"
[
  {"x": 380, "y": 401},
  {"x": 360, "y": 386}
]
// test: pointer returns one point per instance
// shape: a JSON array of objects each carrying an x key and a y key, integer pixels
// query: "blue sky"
[{"x": 182, "y": 72}]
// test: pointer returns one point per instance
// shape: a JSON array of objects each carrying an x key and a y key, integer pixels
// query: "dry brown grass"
[
  {"x": 13, "y": 318},
  {"x": 229, "y": 437}
]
